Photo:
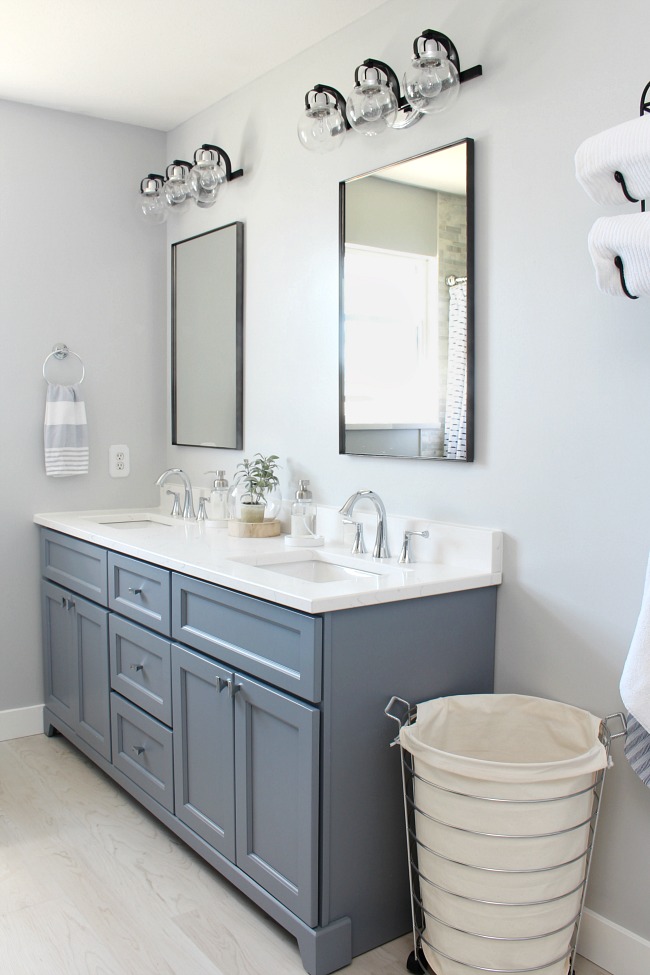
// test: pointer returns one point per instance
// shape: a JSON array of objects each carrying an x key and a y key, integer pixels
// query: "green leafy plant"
[{"x": 258, "y": 477}]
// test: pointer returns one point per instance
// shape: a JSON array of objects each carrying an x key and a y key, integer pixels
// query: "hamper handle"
[{"x": 401, "y": 718}]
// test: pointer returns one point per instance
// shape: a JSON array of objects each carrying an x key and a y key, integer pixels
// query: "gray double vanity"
[{"x": 243, "y": 705}]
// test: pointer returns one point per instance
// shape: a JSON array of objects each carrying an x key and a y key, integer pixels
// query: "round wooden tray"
[{"x": 248, "y": 529}]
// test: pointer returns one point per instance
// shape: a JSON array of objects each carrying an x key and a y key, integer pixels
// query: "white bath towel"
[
  {"x": 624, "y": 148},
  {"x": 635, "y": 679},
  {"x": 65, "y": 431},
  {"x": 628, "y": 237}
]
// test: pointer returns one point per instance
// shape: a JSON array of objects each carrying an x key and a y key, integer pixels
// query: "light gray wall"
[
  {"x": 563, "y": 397},
  {"x": 77, "y": 267}
]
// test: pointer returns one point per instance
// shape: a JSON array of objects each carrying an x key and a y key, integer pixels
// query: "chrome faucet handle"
[
  {"x": 176, "y": 504},
  {"x": 358, "y": 545},
  {"x": 201, "y": 514},
  {"x": 405, "y": 555}
]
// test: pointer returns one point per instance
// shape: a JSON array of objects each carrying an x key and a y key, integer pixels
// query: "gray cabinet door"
[
  {"x": 204, "y": 748},
  {"x": 93, "y": 681},
  {"x": 77, "y": 685},
  {"x": 60, "y": 654},
  {"x": 277, "y": 775}
]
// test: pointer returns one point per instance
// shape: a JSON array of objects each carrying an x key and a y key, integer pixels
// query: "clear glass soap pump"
[
  {"x": 303, "y": 512},
  {"x": 218, "y": 505}
]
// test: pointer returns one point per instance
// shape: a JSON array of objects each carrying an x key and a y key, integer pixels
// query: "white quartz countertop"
[{"x": 454, "y": 558}]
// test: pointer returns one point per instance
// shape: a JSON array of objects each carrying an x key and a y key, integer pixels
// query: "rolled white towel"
[
  {"x": 624, "y": 149},
  {"x": 635, "y": 679},
  {"x": 628, "y": 237}
]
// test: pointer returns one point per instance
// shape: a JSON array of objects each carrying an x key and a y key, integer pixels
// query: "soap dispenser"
[
  {"x": 303, "y": 512},
  {"x": 218, "y": 505}
]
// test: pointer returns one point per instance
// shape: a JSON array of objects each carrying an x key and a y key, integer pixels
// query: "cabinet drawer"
[
  {"x": 77, "y": 565},
  {"x": 279, "y": 645},
  {"x": 140, "y": 667},
  {"x": 142, "y": 749},
  {"x": 140, "y": 591}
]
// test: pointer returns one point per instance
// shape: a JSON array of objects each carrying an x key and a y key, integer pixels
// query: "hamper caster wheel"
[{"x": 413, "y": 965}]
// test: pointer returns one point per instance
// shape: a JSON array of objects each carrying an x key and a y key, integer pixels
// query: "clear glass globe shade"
[
  {"x": 152, "y": 207},
  {"x": 204, "y": 181},
  {"x": 176, "y": 192},
  {"x": 431, "y": 84},
  {"x": 321, "y": 128},
  {"x": 371, "y": 108}
]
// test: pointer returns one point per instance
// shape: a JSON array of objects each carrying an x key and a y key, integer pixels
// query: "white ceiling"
[{"x": 153, "y": 62}]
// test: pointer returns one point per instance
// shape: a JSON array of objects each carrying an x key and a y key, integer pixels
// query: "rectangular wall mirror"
[
  {"x": 207, "y": 338},
  {"x": 407, "y": 308}
]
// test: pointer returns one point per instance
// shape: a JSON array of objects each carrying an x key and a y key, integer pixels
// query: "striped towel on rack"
[{"x": 66, "y": 432}]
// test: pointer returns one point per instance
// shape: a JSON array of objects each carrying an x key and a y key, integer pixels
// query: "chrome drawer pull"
[
  {"x": 135, "y": 590},
  {"x": 230, "y": 683},
  {"x": 138, "y": 749},
  {"x": 137, "y": 667}
]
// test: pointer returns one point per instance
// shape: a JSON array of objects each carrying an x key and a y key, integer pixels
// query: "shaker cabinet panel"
[
  {"x": 74, "y": 564},
  {"x": 277, "y": 775},
  {"x": 276, "y": 644},
  {"x": 141, "y": 667},
  {"x": 60, "y": 658},
  {"x": 140, "y": 591},
  {"x": 142, "y": 749},
  {"x": 75, "y": 633},
  {"x": 94, "y": 727},
  {"x": 204, "y": 748}
]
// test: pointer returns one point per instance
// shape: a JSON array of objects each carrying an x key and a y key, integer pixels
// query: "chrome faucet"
[
  {"x": 188, "y": 501},
  {"x": 380, "y": 551}
]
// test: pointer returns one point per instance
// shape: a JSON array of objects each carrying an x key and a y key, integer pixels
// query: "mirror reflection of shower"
[{"x": 406, "y": 335}]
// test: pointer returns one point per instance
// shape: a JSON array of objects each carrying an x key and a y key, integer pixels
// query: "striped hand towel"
[
  {"x": 637, "y": 749},
  {"x": 66, "y": 433}
]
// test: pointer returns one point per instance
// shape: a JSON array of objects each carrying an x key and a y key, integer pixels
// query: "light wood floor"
[{"x": 91, "y": 884}]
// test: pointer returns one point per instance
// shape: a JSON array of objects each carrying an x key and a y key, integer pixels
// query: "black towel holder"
[
  {"x": 644, "y": 108},
  {"x": 618, "y": 261}
]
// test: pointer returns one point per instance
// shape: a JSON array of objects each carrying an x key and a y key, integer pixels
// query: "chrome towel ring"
[{"x": 61, "y": 351}]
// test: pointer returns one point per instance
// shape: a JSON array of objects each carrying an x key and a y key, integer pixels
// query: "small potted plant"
[{"x": 255, "y": 481}]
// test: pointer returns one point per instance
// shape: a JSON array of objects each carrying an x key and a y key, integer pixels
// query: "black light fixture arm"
[
  {"x": 230, "y": 175},
  {"x": 391, "y": 77},
  {"x": 336, "y": 95},
  {"x": 452, "y": 53},
  {"x": 155, "y": 176}
]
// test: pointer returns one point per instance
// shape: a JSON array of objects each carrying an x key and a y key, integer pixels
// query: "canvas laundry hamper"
[{"x": 503, "y": 795}]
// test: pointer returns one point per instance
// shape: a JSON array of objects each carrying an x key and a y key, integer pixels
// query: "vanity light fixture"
[
  {"x": 175, "y": 189},
  {"x": 184, "y": 182},
  {"x": 430, "y": 84},
  {"x": 151, "y": 201},
  {"x": 323, "y": 124}
]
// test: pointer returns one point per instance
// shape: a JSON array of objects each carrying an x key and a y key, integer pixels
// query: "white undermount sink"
[
  {"x": 314, "y": 566},
  {"x": 134, "y": 519}
]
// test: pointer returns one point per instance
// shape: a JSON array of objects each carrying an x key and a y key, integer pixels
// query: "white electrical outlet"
[{"x": 118, "y": 460}]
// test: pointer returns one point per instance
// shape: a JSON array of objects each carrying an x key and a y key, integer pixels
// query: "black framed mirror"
[
  {"x": 406, "y": 310},
  {"x": 207, "y": 338}
]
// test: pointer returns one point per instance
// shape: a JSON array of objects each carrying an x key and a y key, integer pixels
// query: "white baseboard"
[
  {"x": 612, "y": 947},
  {"x": 21, "y": 722}
]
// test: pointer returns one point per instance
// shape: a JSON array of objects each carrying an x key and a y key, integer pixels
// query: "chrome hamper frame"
[{"x": 405, "y": 714}]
